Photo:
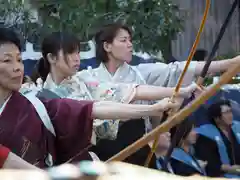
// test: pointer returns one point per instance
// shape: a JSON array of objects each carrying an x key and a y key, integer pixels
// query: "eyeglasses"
[{"x": 227, "y": 111}]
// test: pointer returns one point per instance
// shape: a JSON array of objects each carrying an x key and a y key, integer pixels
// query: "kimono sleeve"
[
  {"x": 107, "y": 91},
  {"x": 72, "y": 121},
  {"x": 161, "y": 74},
  {"x": 104, "y": 91}
]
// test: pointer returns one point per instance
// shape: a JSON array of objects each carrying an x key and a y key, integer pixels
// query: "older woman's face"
[
  {"x": 121, "y": 47},
  {"x": 11, "y": 67}
]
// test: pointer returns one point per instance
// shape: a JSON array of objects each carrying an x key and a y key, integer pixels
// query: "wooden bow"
[
  {"x": 203, "y": 74},
  {"x": 179, "y": 116},
  {"x": 191, "y": 54}
]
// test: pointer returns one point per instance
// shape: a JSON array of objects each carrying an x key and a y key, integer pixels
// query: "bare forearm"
[
  {"x": 147, "y": 92},
  {"x": 217, "y": 66},
  {"x": 112, "y": 110}
]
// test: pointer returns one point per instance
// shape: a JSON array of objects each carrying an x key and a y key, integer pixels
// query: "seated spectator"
[{"x": 219, "y": 141}]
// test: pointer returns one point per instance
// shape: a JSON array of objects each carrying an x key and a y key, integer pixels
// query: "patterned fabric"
[
  {"x": 29, "y": 86},
  {"x": 75, "y": 88},
  {"x": 124, "y": 75},
  {"x": 69, "y": 88},
  {"x": 112, "y": 92},
  {"x": 158, "y": 74}
]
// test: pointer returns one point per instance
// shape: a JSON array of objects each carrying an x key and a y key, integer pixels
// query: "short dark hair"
[
  {"x": 9, "y": 36},
  {"x": 214, "y": 110},
  {"x": 107, "y": 34},
  {"x": 200, "y": 54}
]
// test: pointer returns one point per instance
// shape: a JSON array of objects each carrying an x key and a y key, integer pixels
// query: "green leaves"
[
  {"x": 16, "y": 15},
  {"x": 154, "y": 22}
]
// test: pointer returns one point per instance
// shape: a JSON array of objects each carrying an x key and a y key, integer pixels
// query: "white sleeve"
[{"x": 161, "y": 74}]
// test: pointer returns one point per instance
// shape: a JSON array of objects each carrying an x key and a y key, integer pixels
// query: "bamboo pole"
[{"x": 179, "y": 116}]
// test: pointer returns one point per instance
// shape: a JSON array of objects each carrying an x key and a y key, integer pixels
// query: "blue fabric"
[
  {"x": 159, "y": 166},
  {"x": 29, "y": 66},
  {"x": 185, "y": 158},
  {"x": 210, "y": 131}
]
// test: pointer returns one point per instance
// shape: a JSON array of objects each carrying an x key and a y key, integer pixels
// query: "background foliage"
[{"x": 154, "y": 22}]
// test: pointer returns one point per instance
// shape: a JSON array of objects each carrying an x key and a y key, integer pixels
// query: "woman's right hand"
[
  {"x": 165, "y": 104},
  {"x": 186, "y": 92}
]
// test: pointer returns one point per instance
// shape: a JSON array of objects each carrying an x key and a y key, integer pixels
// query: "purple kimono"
[{"x": 22, "y": 131}]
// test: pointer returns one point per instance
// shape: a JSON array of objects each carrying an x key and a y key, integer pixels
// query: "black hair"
[
  {"x": 53, "y": 43},
  {"x": 214, "y": 110},
  {"x": 181, "y": 132},
  {"x": 178, "y": 134},
  {"x": 9, "y": 36},
  {"x": 26, "y": 79},
  {"x": 172, "y": 59},
  {"x": 200, "y": 54},
  {"x": 107, "y": 34}
]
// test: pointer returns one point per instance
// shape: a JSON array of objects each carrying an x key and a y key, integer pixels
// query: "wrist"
[
  {"x": 183, "y": 91},
  {"x": 158, "y": 107}
]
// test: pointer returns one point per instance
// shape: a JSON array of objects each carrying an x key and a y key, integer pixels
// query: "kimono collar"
[
  {"x": 71, "y": 87},
  {"x": 31, "y": 86},
  {"x": 4, "y": 104},
  {"x": 122, "y": 69},
  {"x": 64, "y": 89},
  {"x": 50, "y": 84}
]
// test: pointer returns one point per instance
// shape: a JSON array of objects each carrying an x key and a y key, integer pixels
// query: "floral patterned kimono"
[
  {"x": 74, "y": 88},
  {"x": 107, "y": 131},
  {"x": 158, "y": 74},
  {"x": 154, "y": 74}
]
